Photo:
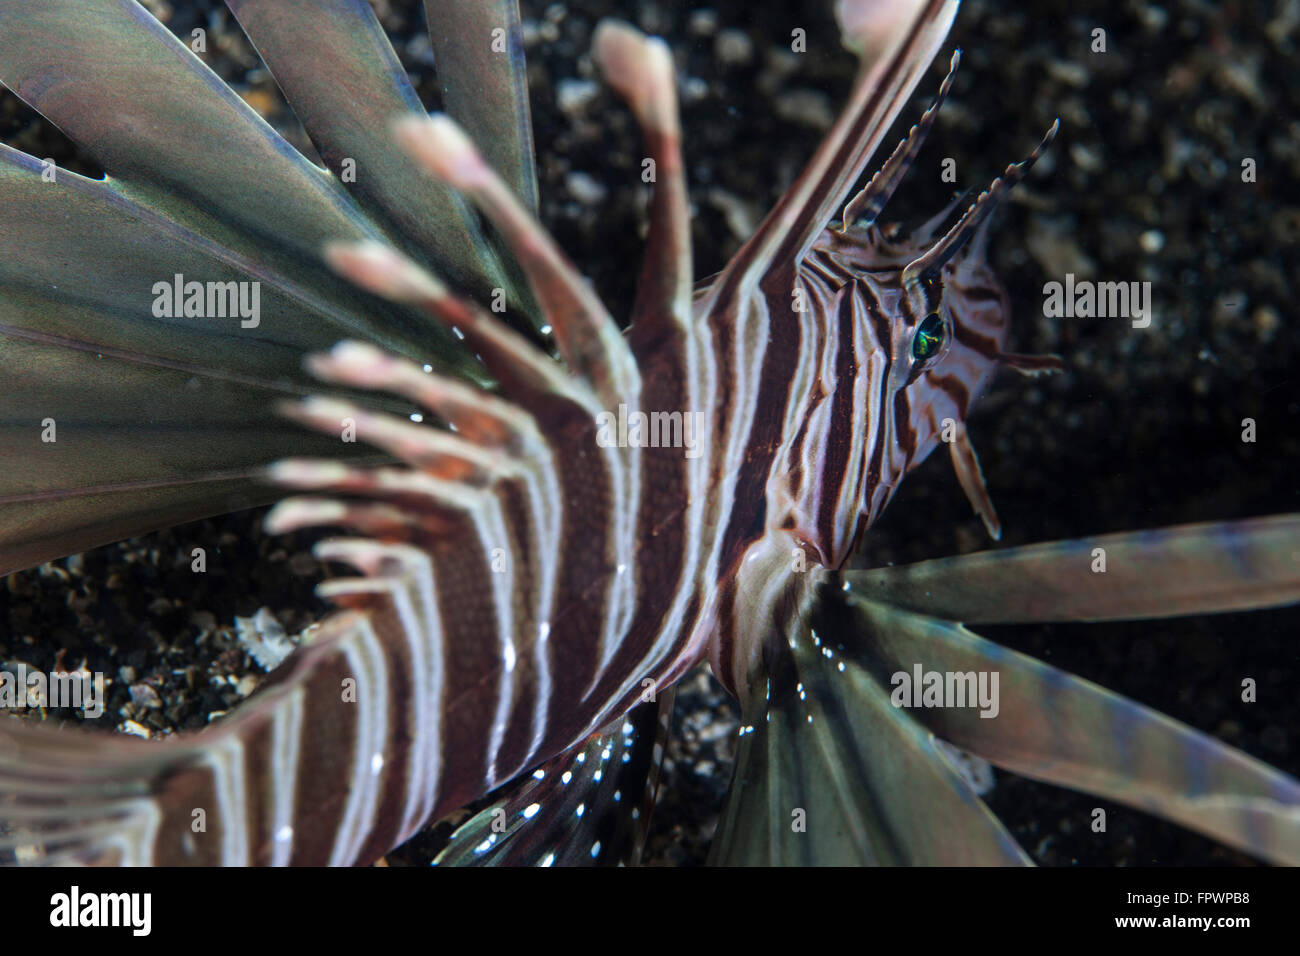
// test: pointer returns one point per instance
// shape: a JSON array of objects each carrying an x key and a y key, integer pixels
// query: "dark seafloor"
[{"x": 1144, "y": 429}]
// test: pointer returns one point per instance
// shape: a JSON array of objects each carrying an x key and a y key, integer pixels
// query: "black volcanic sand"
[{"x": 1144, "y": 430}]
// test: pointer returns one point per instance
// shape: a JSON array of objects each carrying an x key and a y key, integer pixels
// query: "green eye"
[{"x": 929, "y": 337}]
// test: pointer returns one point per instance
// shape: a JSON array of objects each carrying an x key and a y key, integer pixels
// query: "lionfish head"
[{"x": 939, "y": 320}]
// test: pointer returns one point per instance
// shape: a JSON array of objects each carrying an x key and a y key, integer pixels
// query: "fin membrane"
[
  {"x": 828, "y": 772},
  {"x": 590, "y": 806},
  {"x": 1050, "y": 726},
  {"x": 1187, "y": 569}
]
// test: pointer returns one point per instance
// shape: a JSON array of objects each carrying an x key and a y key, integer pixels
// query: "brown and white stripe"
[{"x": 520, "y": 584}]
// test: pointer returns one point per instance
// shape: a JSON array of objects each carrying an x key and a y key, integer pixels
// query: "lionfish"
[{"x": 528, "y": 586}]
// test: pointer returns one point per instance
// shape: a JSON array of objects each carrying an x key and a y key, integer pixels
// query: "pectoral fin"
[{"x": 830, "y": 772}]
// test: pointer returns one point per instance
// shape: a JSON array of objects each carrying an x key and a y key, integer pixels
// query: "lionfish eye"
[{"x": 928, "y": 338}]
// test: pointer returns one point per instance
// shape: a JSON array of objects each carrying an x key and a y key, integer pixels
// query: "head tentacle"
[
  {"x": 863, "y": 209},
  {"x": 965, "y": 228}
]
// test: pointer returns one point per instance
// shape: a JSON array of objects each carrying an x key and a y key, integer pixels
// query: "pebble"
[
  {"x": 142, "y": 695},
  {"x": 733, "y": 48},
  {"x": 159, "y": 8},
  {"x": 262, "y": 101},
  {"x": 1071, "y": 74},
  {"x": 740, "y": 215},
  {"x": 585, "y": 188},
  {"x": 1154, "y": 19},
  {"x": 806, "y": 107},
  {"x": 574, "y": 96},
  {"x": 1052, "y": 244},
  {"x": 131, "y": 727},
  {"x": 530, "y": 34},
  {"x": 420, "y": 50},
  {"x": 1152, "y": 241},
  {"x": 703, "y": 22},
  {"x": 1086, "y": 158},
  {"x": 1266, "y": 321},
  {"x": 694, "y": 89}
]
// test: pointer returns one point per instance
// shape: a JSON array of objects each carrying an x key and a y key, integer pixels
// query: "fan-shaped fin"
[
  {"x": 159, "y": 121},
  {"x": 519, "y": 366},
  {"x": 828, "y": 772},
  {"x": 1187, "y": 569},
  {"x": 433, "y": 451},
  {"x": 162, "y": 411},
  {"x": 479, "y": 53},
  {"x": 130, "y": 301},
  {"x": 587, "y": 807},
  {"x": 348, "y": 115},
  {"x": 98, "y": 447},
  {"x": 479, "y": 416},
  {"x": 1048, "y": 725},
  {"x": 587, "y": 336}
]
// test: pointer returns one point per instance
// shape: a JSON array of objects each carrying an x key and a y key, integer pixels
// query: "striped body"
[
  {"x": 523, "y": 583},
  {"x": 708, "y": 559}
]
